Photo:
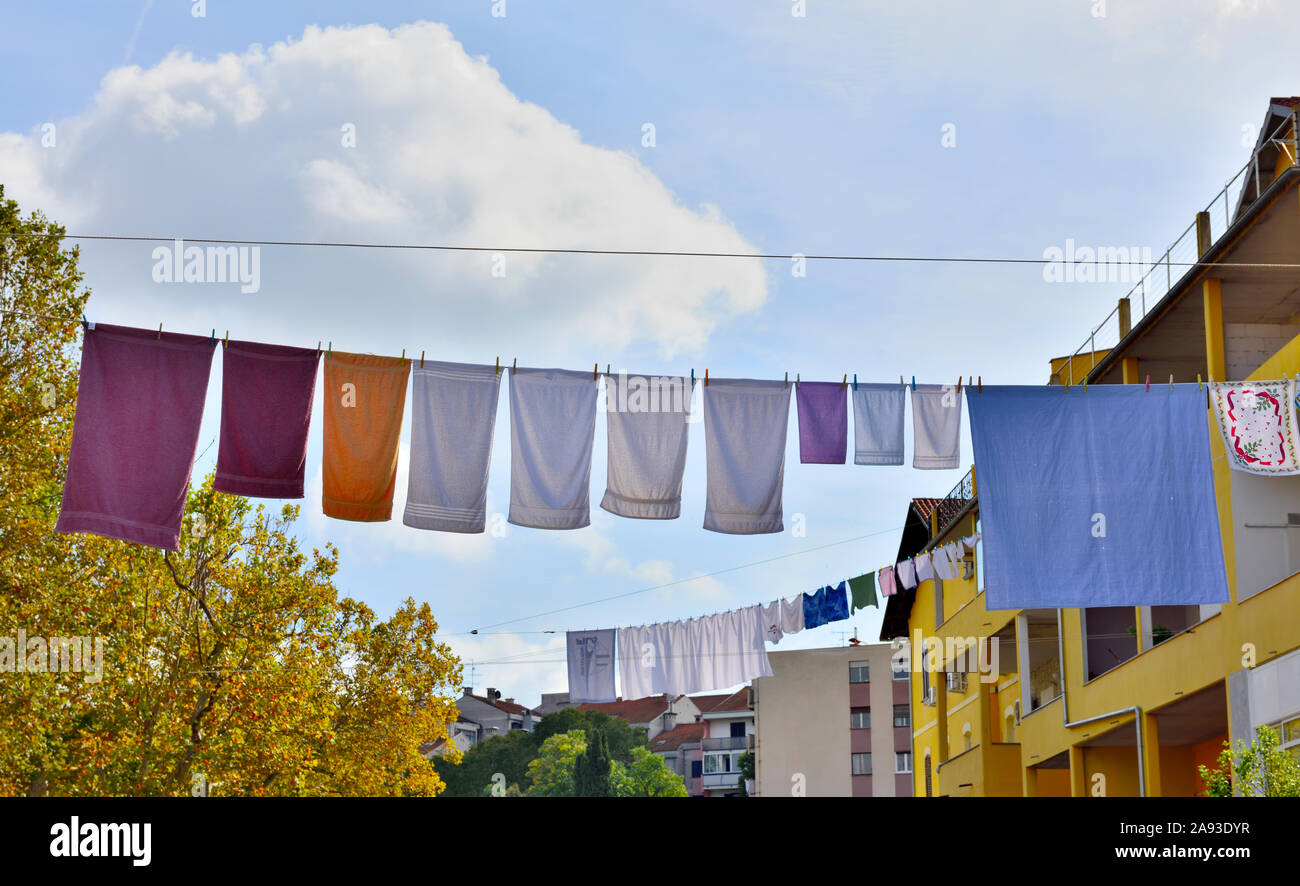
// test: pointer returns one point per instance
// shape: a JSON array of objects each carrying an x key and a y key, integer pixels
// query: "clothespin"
[
  {"x": 855, "y": 381},
  {"x": 692, "y": 378},
  {"x": 498, "y": 365},
  {"x": 330, "y": 352},
  {"x": 981, "y": 387},
  {"x": 959, "y": 386},
  {"x": 1085, "y": 384},
  {"x": 160, "y": 332},
  {"x": 227, "y": 344},
  {"x": 422, "y": 359},
  {"x": 845, "y": 383},
  {"x": 796, "y": 378},
  {"x": 1198, "y": 381},
  {"x": 706, "y": 376},
  {"x": 1148, "y": 384},
  {"x": 403, "y": 353},
  {"x": 606, "y": 370},
  {"x": 595, "y": 371},
  {"x": 85, "y": 324},
  {"x": 901, "y": 382},
  {"x": 787, "y": 379},
  {"x": 213, "y": 340},
  {"x": 1171, "y": 381},
  {"x": 914, "y": 384},
  {"x": 317, "y": 347},
  {"x": 514, "y": 367}
]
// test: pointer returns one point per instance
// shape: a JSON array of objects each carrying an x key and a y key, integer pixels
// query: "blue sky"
[{"x": 773, "y": 133}]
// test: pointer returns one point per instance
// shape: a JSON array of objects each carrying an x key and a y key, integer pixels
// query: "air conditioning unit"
[
  {"x": 930, "y": 696},
  {"x": 956, "y": 681}
]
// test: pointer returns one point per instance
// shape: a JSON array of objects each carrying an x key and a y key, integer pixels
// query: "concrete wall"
[{"x": 1247, "y": 345}]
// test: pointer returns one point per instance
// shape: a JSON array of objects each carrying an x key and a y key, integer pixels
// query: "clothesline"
[{"x": 227, "y": 241}]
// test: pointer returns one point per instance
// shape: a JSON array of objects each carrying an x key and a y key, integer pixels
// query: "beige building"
[{"x": 833, "y": 723}]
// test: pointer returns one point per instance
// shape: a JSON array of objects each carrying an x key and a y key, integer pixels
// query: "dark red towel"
[
  {"x": 266, "y": 394},
  {"x": 139, "y": 404}
]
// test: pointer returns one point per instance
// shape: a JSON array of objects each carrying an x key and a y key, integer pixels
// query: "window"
[
  {"x": 737, "y": 730},
  {"x": 716, "y": 763},
  {"x": 902, "y": 762},
  {"x": 860, "y": 718},
  {"x": 697, "y": 768},
  {"x": 902, "y": 715},
  {"x": 859, "y": 672},
  {"x": 861, "y": 764},
  {"x": 1290, "y": 732},
  {"x": 899, "y": 668}
]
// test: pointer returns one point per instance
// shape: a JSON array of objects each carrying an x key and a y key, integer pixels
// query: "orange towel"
[{"x": 364, "y": 399}]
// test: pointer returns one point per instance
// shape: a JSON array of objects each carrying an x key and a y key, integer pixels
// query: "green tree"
[
  {"x": 591, "y": 770},
  {"x": 747, "y": 767},
  {"x": 508, "y": 755},
  {"x": 621, "y": 736},
  {"x": 1261, "y": 769},
  {"x": 231, "y": 664},
  {"x": 646, "y": 775},
  {"x": 551, "y": 774}
]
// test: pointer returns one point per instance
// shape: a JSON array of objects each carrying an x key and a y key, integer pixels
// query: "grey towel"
[
  {"x": 454, "y": 412},
  {"x": 936, "y": 427},
  {"x": 647, "y": 421},
  {"x": 878, "y": 424},
  {"x": 552, "y": 428},
  {"x": 745, "y": 423}
]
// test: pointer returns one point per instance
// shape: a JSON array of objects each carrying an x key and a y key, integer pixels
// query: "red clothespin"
[
  {"x": 706, "y": 377},
  {"x": 595, "y": 371},
  {"x": 1148, "y": 384}
]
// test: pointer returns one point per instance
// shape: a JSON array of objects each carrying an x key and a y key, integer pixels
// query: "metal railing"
[
  {"x": 729, "y": 743},
  {"x": 952, "y": 504},
  {"x": 1158, "y": 279}
]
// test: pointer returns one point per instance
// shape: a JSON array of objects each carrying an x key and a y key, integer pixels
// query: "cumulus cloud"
[{"x": 378, "y": 135}]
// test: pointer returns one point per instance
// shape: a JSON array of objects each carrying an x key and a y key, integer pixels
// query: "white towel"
[
  {"x": 944, "y": 566},
  {"x": 907, "y": 574},
  {"x": 552, "y": 429},
  {"x": 936, "y": 427},
  {"x": 638, "y": 661},
  {"x": 591, "y": 666},
  {"x": 647, "y": 422},
  {"x": 745, "y": 423},
  {"x": 878, "y": 424},
  {"x": 792, "y": 615},
  {"x": 454, "y": 412},
  {"x": 924, "y": 568}
]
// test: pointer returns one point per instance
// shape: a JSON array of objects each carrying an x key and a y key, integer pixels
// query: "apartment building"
[
  {"x": 492, "y": 714},
  {"x": 833, "y": 722},
  {"x": 1120, "y": 700}
]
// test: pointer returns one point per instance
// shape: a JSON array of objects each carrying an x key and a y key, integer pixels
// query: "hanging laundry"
[
  {"x": 835, "y": 603},
  {"x": 888, "y": 586},
  {"x": 638, "y": 661},
  {"x": 365, "y": 397},
  {"x": 924, "y": 567},
  {"x": 906, "y": 573},
  {"x": 878, "y": 424},
  {"x": 792, "y": 615},
  {"x": 936, "y": 427},
  {"x": 771, "y": 614},
  {"x": 863, "y": 589},
  {"x": 552, "y": 431},
  {"x": 647, "y": 421},
  {"x": 745, "y": 423},
  {"x": 591, "y": 665},
  {"x": 1258, "y": 424},
  {"x": 266, "y": 398},
  {"x": 970, "y": 540},
  {"x": 945, "y": 562},
  {"x": 136, "y": 431},
  {"x": 823, "y": 422},
  {"x": 453, "y": 418},
  {"x": 1104, "y": 498}
]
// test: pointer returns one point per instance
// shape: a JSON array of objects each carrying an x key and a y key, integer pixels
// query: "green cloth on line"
[{"x": 863, "y": 589}]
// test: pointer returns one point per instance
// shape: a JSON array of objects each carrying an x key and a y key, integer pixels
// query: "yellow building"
[{"x": 1127, "y": 701}]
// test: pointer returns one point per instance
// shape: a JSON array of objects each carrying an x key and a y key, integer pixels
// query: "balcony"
[
  {"x": 954, "y": 504},
  {"x": 713, "y": 781},
  {"x": 730, "y": 743}
]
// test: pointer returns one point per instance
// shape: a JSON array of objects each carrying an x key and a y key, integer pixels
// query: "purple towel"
[
  {"x": 266, "y": 394},
  {"x": 823, "y": 422},
  {"x": 139, "y": 404}
]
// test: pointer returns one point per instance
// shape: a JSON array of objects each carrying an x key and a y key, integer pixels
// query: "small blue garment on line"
[
  {"x": 1103, "y": 498},
  {"x": 825, "y": 606}
]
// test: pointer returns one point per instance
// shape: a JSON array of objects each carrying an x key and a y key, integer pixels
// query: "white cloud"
[{"x": 252, "y": 145}]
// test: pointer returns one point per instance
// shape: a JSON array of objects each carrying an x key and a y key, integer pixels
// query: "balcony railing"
[
  {"x": 951, "y": 506},
  {"x": 729, "y": 743},
  {"x": 1157, "y": 280},
  {"x": 716, "y": 780}
]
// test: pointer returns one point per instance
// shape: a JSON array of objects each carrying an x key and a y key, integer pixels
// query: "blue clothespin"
[
  {"x": 85, "y": 324},
  {"x": 855, "y": 381},
  {"x": 214, "y": 337},
  {"x": 692, "y": 378},
  {"x": 914, "y": 384}
]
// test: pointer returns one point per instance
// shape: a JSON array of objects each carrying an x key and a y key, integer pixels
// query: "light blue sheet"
[{"x": 1103, "y": 498}]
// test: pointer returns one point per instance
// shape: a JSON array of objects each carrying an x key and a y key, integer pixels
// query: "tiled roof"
[
  {"x": 924, "y": 507},
  {"x": 634, "y": 710},
  {"x": 687, "y": 733},
  {"x": 508, "y": 706},
  {"x": 736, "y": 701}
]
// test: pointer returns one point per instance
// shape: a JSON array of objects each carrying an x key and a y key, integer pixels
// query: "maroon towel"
[
  {"x": 266, "y": 394},
  {"x": 139, "y": 404}
]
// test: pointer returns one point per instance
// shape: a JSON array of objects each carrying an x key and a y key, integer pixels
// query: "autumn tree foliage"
[{"x": 232, "y": 666}]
